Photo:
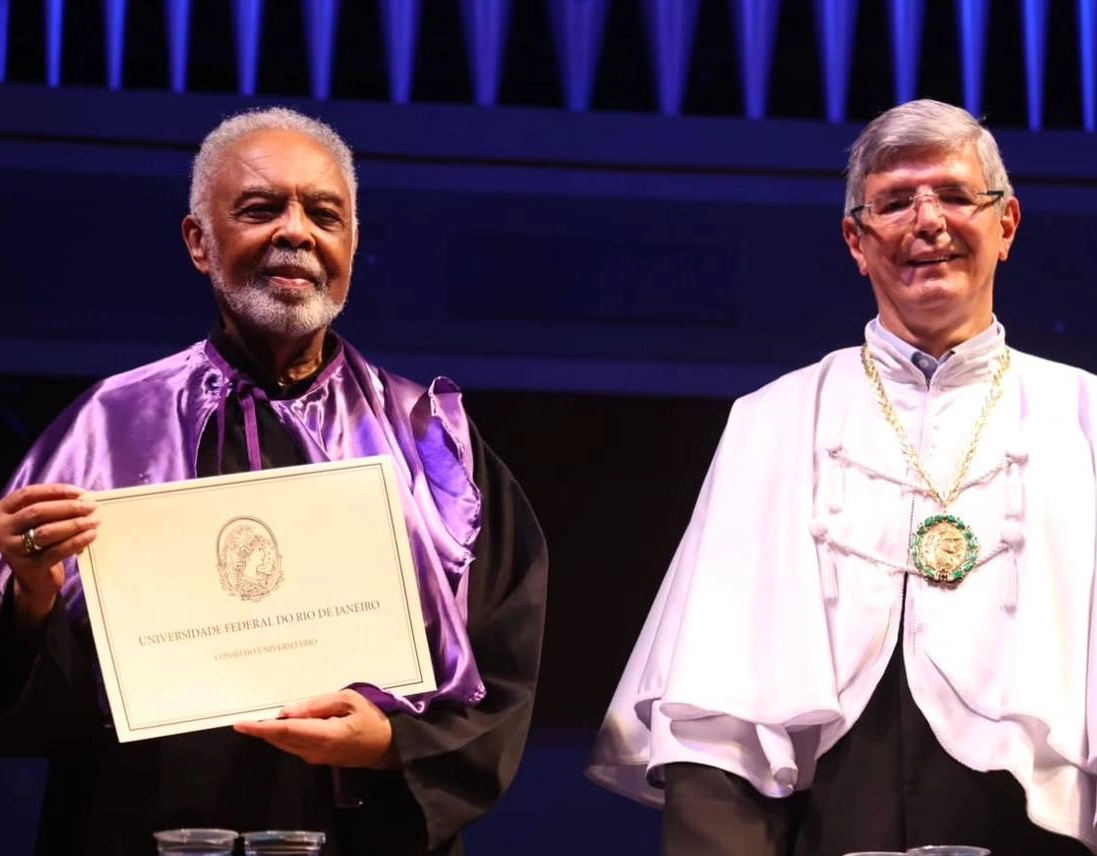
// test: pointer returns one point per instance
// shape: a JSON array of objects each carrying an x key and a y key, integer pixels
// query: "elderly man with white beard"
[{"x": 273, "y": 224}]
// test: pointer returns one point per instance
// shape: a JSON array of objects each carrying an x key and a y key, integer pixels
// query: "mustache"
[{"x": 300, "y": 260}]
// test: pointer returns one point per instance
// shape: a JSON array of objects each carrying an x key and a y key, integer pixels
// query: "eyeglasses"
[{"x": 898, "y": 208}]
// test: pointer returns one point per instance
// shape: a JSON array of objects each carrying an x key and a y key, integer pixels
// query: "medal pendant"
[{"x": 944, "y": 549}]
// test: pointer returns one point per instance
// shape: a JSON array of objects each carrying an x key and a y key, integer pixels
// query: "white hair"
[
  {"x": 922, "y": 124},
  {"x": 208, "y": 160}
]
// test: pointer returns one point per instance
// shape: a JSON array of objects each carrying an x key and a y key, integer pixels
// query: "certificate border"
[{"x": 381, "y": 463}]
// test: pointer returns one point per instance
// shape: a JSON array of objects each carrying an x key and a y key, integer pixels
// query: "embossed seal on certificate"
[{"x": 248, "y": 559}]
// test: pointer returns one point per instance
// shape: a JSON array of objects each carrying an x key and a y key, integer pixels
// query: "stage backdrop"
[{"x": 605, "y": 220}]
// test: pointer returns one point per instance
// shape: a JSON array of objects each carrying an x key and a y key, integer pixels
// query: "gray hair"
[
  {"x": 922, "y": 124},
  {"x": 208, "y": 160}
]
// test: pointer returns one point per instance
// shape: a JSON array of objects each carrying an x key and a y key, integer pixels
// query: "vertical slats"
[
  {"x": 755, "y": 23},
  {"x": 578, "y": 27},
  {"x": 248, "y": 25},
  {"x": 178, "y": 23},
  {"x": 836, "y": 20},
  {"x": 1035, "y": 30},
  {"x": 907, "y": 20},
  {"x": 973, "y": 46},
  {"x": 5, "y": 10},
  {"x": 114, "y": 29},
  {"x": 486, "y": 24},
  {"x": 578, "y": 32},
  {"x": 320, "y": 19},
  {"x": 671, "y": 25},
  {"x": 1087, "y": 55},
  {"x": 55, "y": 29},
  {"x": 400, "y": 23}
]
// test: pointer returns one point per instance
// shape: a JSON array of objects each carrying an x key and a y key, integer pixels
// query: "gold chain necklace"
[{"x": 943, "y": 548}]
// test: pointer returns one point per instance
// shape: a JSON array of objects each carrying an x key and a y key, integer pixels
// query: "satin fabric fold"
[
  {"x": 782, "y": 605},
  {"x": 144, "y": 427}
]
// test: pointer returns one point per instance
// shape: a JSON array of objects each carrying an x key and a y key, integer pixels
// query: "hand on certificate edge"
[{"x": 342, "y": 730}]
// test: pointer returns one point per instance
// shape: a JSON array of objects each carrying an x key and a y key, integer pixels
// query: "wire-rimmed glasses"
[{"x": 898, "y": 207}]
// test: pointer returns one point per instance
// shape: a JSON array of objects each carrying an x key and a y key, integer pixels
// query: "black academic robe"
[
  {"x": 103, "y": 797},
  {"x": 886, "y": 785}
]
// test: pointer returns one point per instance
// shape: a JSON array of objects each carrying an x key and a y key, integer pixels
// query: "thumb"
[{"x": 322, "y": 707}]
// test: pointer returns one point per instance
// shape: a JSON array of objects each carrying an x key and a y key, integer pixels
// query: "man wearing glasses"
[{"x": 876, "y": 632}]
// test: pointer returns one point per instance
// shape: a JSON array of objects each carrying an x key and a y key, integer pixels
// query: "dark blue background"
[{"x": 602, "y": 283}]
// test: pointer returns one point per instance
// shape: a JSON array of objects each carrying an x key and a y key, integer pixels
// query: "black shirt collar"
[{"x": 239, "y": 359}]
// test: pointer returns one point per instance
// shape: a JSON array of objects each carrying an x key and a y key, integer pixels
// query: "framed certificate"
[{"x": 221, "y": 599}]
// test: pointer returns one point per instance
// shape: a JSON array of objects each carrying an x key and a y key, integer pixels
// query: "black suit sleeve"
[{"x": 710, "y": 812}]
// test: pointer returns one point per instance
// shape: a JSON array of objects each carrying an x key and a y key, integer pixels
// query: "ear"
[
  {"x": 194, "y": 237},
  {"x": 1009, "y": 221},
  {"x": 853, "y": 236}
]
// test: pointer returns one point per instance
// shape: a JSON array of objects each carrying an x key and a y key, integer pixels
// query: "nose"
[
  {"x": 929, "y": 217},
  {"x": 294, "y": 229}
]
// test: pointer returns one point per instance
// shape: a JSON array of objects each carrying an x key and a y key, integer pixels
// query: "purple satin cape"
[{"x": 144, "y": 427}]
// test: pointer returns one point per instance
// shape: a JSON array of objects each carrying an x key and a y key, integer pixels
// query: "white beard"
[{"x": 258, "y": 308}]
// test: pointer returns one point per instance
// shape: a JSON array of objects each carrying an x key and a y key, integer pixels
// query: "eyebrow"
[
  {"x": 910, "y": 187},
  {"x": 265, "y": 192}
]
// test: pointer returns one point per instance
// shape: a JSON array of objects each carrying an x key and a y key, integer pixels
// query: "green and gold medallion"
[{"x": 944, "y": 549}]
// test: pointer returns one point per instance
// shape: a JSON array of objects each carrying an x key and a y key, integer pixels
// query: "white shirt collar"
[{"x": 926, "y": 363}]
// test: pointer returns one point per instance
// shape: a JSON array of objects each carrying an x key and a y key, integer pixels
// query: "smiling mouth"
[
  {"x": 290, "y": 278},
  {"x": 289, "y": 272},
  {"x": 937, "y": 260},
  {"x": 279, "y": 279}
]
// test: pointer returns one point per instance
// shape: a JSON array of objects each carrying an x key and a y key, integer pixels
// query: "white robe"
[{"x": 781, "y": 608}]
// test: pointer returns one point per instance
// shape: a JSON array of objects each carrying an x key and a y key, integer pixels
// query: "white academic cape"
[{"x": 782, "y": 605}]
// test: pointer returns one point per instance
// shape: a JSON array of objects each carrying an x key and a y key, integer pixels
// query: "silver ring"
[{"x": 32, "y": 547}]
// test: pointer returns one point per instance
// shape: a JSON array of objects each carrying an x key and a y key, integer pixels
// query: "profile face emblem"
[{"x": 248, "y": 559}]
